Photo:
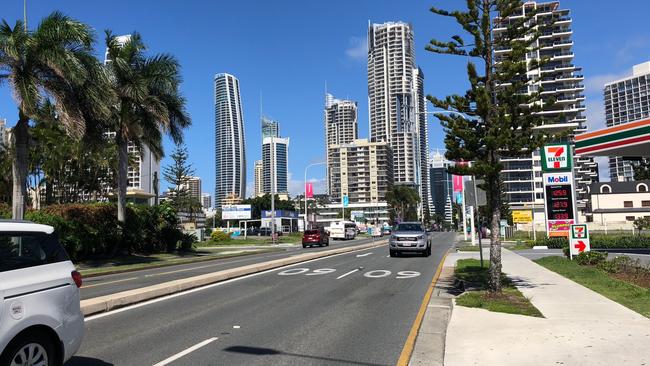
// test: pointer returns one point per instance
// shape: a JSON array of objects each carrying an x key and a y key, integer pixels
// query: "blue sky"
[{"x": 287, "y": 51}]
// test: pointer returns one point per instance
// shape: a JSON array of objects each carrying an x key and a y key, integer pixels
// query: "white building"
[
  {"x": 275, "y": 165},
  {"x": 230, "y": 153},
  {"x": 561, "y": 81},
  {"x": 615, "y": 205},
  {"x": 341, "y": 127},
  {"x": 361, "y": 170},
  {"x": 193, "y": 186},
  {"x": 206, "y": 201},
  {"x": 627, "y": 100},
  {"x": 396, "y": 102},
  {"x": 258, "y": 172}
]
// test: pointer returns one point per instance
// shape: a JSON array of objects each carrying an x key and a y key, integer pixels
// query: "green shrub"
[
  {"x": 92, "y": 230},
  {"x": 590, "y": 258},
  {"x": 600, "y": 241},
  {"x": 5, "y": 211},
  {"x": 187, "y": 242},
  {"x": 219, "y": 236}
]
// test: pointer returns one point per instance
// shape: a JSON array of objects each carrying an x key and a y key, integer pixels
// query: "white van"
[
  {"x": 40, "y": 319},
  {"x": 343, "y": 230}
]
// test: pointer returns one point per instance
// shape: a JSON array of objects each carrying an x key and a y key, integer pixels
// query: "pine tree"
[
  {"x": 498, "y": 116},
  {"x": 178, "y": 174}
]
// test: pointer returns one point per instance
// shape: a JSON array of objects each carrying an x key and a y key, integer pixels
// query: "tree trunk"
[
  {"x": 494, "y": 280},
  {"x": 19, "y": 166},
  {"x": 122, "y": 177}
]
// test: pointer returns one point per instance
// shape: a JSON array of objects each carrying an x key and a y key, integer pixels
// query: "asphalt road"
[
  {"x": 350, "y": 309},
  {"x": 110, "y": 284}
]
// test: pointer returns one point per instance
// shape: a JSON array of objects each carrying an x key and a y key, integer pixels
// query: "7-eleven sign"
[
  {"x": 579, "y": 239},
  {"x": 557, "y": 157}
]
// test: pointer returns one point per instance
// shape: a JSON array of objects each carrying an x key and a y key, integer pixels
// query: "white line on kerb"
[
  {"x": 187, "y": 351},
  {"x": 343, "y": 275}
]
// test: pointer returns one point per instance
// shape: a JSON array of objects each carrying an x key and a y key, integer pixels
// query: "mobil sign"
[
  {"x": 559, "y": 203},
  {"x": 556, "y": 158}
]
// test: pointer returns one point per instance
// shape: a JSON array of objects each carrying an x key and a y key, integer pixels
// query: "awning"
[{"x": 628, "y": 139}]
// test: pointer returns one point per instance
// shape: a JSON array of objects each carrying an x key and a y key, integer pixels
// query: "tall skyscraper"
[
  {"x": 3, "y": 129},
  {"x": 275, "y": 165},
  {"x": 259, "y": 172},
  {"x": 270, "y": 128},
  {"x": 206, "y": 201},
  {"x": 627, "y": 100},
  {"x": 396, "y": 102},
  {"x": 230, "y": 154},
  {"x": 341, "y": 127},
  {"x": 361, "y": 170},
  {"x": 441, "y": 185},
  {"x": 560, "y": 80}
]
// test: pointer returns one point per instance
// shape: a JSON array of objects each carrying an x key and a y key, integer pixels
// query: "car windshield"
[
  {"x": 311, "y": 232},
  {"x": 409, "y": 227}
]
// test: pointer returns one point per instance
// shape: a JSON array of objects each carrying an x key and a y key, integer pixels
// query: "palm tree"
[
  {"x": 148, "y": 102},
  {"x": 52, "y": 64}
]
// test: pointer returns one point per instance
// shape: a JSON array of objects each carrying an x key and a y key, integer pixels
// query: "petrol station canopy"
[{"x": 628, "y": 140}]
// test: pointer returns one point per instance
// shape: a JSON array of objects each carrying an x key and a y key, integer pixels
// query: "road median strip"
[{"x": 113, "y": 301}]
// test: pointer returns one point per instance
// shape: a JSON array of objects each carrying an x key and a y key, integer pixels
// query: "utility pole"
[
  {"x": 308, "y": 166},
  {"x": 273, "y": 187}
]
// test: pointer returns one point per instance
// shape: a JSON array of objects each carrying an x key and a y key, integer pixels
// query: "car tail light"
[{"x": 76, "y": 276}]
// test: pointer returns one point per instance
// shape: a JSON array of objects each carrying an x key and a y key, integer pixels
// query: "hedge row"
[
  {"x": 91, "y": 231},
  {"x": 601, "y": 242}
]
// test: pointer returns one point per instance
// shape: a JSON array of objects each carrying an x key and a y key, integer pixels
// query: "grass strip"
[
  {"x": 510, "y": 301},
  {"x": 629, "y": 295}
]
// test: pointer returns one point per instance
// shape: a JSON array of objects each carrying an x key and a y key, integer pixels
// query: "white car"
[{"x": 40, "y": 319}]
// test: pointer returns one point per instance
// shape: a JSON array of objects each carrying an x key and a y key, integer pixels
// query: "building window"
[
  {"x": 629, "y": 218},
  {"x": 628, "y": 204},
  {"x": 641, "y": 187},
  {"x": 605, "y": 189},
  {"x": 645, "y": 203}
]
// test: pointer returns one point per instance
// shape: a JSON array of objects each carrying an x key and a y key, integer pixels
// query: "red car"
[{"x": 315, "y": 237}]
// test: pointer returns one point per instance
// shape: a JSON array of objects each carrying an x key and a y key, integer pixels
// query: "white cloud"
[
  {"x": 595, "y": 114},
  {"x": 297, "y": 186},
  {"x": 631, "y": 48},
  {"x": 603, "y": 168},
  {"x": 357, "y": 49},
  {"x": 594, "y": 85}
]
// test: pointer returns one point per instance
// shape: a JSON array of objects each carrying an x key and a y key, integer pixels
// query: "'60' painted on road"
[{"x": 377, "y": 273}]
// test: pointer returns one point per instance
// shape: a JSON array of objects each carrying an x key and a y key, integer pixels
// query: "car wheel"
[
  {"x": 30, "y": 349},
  {"x": 393, "y": 253},
  {"x": 304, "y": 246}
]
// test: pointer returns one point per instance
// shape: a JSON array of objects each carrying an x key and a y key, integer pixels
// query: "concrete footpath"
[{"x": 581, "y": 327}]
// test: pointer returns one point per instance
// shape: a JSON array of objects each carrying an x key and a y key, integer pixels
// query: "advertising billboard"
[
  {"x": 236, "y": 212},
  {"x": 522, "y": 216},
  {"x": 557, "y": 158},
  {"x": 559, "y": 203}
]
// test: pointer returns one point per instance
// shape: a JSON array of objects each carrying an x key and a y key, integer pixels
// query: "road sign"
[
  {"x": 346, "y": 200},
  {"x": 579, "y": 239},
  {"x": 236, "y": 212},
  {"x": 557, "y": 158},
  {"x": 559, "y": 203}
]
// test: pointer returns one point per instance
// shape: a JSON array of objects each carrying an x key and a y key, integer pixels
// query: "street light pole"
[{"x": 305, "y": 197}]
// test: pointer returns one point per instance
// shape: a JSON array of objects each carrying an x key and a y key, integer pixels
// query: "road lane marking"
[
  {"x": 321, "y": 271},
  {"x": 293, "y": 271},
  {"x": 409, "y": 345},
  {"x": 110, "y": 282},
  {"x": 186, "y": 352},
  {"x": 207, "y": 287},
  {"x": 349, "y": 273},
  {"x": 363, "y": 255},
  {"x": 201, "y": 267},
  {"x": 378, "y": 273}
]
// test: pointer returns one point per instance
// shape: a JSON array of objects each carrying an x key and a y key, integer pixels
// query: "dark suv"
[{"x": 315, "y": 237}]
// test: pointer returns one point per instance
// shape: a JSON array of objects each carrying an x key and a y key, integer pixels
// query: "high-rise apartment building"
[
  {"x": 258, "y": 172},
  {"x": 230, "y": 154},
  {"x": 193, "y": 187},
  {"x": 341, "y": 127},
  {"x": 3, "y": 130},
  {"x": 206, "y": 201},
  {"x": 560, "y": 80},
  {"x": 441, "y": 186},
  {"x": 627, "y": 100},
  {"x": 396, "y": 102},
  {"x": 275, "y": 165},
  {"x": 362, "y": 170}
]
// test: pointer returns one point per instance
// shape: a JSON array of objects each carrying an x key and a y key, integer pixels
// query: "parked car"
[
  {"x": 315, "y": 237},
  {"x": 386, "y": 230},
  {"x": 409, "y": 237},
  {"x": 266, "y": 231},
  {"x": 41, "y": 323},
  {"x": 253, "y": 231}
]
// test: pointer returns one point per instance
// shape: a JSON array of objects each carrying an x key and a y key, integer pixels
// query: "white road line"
[
  {"x": 187, "y": 351},
  {"x": 201, "y": 267},
  {"x": 363, "y": 255},
  {"x": 178, "y": 294},
  {"x": 110, "y": 282},
  {"x": 343, "y": 275}
]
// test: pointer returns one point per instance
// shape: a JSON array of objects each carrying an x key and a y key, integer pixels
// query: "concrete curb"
[
  {"x": 109, "y": 302},
  {"x": 430, "y": 343}
]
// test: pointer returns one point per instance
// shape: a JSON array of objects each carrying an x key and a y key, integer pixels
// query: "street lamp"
[{"x": 305, "y": 196}]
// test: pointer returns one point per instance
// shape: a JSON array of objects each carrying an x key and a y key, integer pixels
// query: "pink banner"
[
  {"x": 458, "y": 183},
  {"x": 309, "y": 189}
]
